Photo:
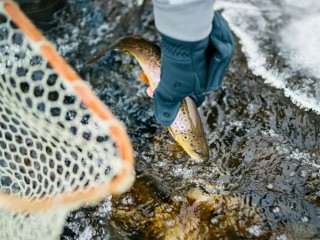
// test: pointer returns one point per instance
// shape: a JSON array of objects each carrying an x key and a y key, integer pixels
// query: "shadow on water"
[{"x": 262, "y": 180}]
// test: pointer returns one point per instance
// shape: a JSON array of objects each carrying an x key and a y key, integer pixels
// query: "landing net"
[{"x": 60, "y": 147}]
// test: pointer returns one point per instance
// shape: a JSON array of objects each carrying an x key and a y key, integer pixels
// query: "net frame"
[{"x": 124, "y": 178}]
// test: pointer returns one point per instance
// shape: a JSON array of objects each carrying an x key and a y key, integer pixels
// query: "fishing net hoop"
[{"x": 124, "y": 179}]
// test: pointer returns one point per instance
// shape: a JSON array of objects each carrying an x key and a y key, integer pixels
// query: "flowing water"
[{"x": 262, "y": 180}]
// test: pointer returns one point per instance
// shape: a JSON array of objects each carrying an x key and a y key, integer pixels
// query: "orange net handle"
[{"x": 124, "y": 179}]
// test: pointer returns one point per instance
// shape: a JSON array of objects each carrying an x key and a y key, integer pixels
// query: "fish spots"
[
  {"x": 175, "y": 127},
  {"x": 182, "y": 127}
]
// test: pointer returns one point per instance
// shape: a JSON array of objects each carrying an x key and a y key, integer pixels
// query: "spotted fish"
[{"x": 187, "y": 128}]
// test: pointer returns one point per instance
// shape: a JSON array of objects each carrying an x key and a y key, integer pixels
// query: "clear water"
[{"x": 263, "y": 127}]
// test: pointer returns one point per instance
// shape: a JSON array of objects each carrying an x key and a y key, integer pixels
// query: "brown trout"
[{"x": 187, "y": 128}]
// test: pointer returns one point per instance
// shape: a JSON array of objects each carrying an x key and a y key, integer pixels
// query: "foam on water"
[
  {"x": 281, "y": 43},
  {"x": 303, "y": 55}
]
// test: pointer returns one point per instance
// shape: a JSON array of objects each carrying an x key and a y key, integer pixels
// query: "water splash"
[{"x": 281, "y": 45}]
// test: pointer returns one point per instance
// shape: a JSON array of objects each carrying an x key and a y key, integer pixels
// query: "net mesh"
[
  {"x": 41, "y": 225},
  {"x": 59, "y": 146}
]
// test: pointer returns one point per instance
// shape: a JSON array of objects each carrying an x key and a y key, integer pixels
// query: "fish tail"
[{"x": 99, "y": 54}]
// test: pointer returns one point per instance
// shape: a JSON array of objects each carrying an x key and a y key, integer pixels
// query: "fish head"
[
  {"x": 198, "y": 149},
  {"x": 194, "y": 144},
  {"x": 187, "y": 130}
]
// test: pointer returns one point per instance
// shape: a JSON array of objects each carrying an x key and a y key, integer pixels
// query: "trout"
[{"x": 187, "y": 128}]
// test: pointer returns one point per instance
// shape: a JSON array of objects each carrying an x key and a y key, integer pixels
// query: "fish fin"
[{"x": 143, "y": 77}]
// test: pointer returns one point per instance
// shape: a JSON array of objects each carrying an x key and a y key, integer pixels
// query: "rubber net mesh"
[
  {"x": 41, "y": 225},
  {"x": 50, "y": 142}
]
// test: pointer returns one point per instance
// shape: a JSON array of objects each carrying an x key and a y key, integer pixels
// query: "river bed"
[{"x": 263, "y": 128}]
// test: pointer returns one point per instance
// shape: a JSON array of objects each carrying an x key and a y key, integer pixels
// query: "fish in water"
[{"x": 187, "y": 128}]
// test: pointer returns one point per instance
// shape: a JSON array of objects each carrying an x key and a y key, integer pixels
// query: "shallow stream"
[{"x": 262, "y": 180}]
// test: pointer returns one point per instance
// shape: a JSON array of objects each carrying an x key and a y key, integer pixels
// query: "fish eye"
[{"x": 197, "y": 151}]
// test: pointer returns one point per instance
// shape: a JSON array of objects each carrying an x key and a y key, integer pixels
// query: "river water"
[{"x": 263, "y": 127}]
